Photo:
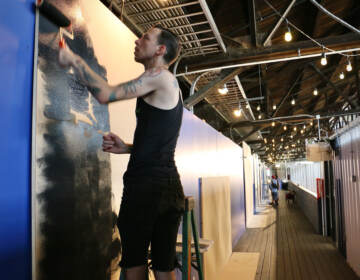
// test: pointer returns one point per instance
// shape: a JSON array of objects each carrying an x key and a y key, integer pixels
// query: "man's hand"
[{"x": 113, "y": 144}]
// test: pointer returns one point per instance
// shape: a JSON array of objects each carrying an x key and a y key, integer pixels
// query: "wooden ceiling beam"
[
  {"x": 244, "y": 57},
  {"x": 252, "y": 23}
]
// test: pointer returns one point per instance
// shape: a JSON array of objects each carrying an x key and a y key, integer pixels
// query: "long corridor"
[{"x": 290, "y": 249}]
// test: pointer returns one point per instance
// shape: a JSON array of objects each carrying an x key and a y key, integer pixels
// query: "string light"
[
  {"x": 258, "y": 108},
  {"x": 273, "y": 140},
  {"x": 288, "y": 35},
  {"x": 237, "y": 112},
  {"x": 293, "y": 101},
  {"x": 302, "y": 131},
  {"x": 282, "y": 139},
  {"x": 342, "y": 75},
  {"x": 273, "y": 124},
  {"x": 295, "y": 128},
  {"x": 285, "y": 127},
  {"x": 265, "y": 140},
  {"x": 291, "y": 136},
  {"x": 323, "y": 60},
  {"x": 224, "y": 90},
  {"x": 315, "y": 92},
  {"x": 260, "y": 117},
  {"x": 348, "y": 66},
  {"x": 274, "y": 107},
  {"x": 304, "y": 127},
  {"x": 306, "y": 35},
  {"x": 311, "y": 123}
]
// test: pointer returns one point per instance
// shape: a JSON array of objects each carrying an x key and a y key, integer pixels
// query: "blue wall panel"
[{"x": 16, "y": 76}]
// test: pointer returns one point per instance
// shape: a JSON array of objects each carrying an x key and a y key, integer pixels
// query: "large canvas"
[{"x": 73, "y": 219}]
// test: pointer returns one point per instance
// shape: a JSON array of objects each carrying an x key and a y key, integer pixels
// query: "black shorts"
[{"x": 150, "y": 213}]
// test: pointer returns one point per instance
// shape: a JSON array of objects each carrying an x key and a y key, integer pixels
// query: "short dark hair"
[{"x": 172, "y": 43}]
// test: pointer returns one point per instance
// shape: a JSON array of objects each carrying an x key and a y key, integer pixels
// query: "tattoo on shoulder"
[{"x": 154, "y": 72}]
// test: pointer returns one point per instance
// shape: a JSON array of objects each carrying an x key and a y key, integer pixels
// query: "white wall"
[
  {"x": 249, "y": 181},
  {"x": 305, "y": 173}
]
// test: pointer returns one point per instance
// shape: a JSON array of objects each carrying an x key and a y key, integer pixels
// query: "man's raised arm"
[{"x": 100, "y": 89}]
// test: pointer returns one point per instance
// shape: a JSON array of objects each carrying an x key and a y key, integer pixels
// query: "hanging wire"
[{"x": 306, "y": 35}]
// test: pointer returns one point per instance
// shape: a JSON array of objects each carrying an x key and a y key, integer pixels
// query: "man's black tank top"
[{"x": 155, "y": 139}]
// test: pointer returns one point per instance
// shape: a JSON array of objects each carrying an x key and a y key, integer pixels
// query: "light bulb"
[
  {"x": 282, "y": 139},
  {"x": 323, "y": 60},
  {"x": 288, "y": 36},
  {"x": 274, "y": 107},
  {"x": 311, "y": 123},
  {"x": 348, "y": 67},
  {"x": 285, "y": 127},
  {"x": 258, "y": 108},
  {"x": 291, "y": 136},
  {"x": 342, "y": 76},
  {"x": 315, "y": 92},
  {"x": 293, "y": 101},
  {"x": 304, "y": 127},
  {"x": 237, "y": 112},
  {"x": 302, "y": 131},
  {"x": 260, "y": 117},
  {"x": 295, "y": 128},
  {"x": 273, "y": 124},
  {"x": 224, "y": 90}
]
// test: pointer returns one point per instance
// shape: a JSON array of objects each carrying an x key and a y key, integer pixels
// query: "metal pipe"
[
  {"x": 339, "y": 20},
  {"x": 243, "y": 94},
  {"x": 213, "y": 26},
  {"x": 266, "y": 61},
  {"x": 192, "y": 88},
  {"x": 267, "y": 40}
]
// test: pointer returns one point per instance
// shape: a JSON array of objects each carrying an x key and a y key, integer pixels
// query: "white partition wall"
[
  {"x": 249, "y": 182},
  {"x": 304, "y": 174},
  {"x": 347, "y": 173}
]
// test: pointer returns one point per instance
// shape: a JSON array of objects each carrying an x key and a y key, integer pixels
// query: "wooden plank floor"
[{"x": 290, "y": 249}]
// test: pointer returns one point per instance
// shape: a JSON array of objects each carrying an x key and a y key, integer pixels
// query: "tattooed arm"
[{"x": 149, "y": 81}]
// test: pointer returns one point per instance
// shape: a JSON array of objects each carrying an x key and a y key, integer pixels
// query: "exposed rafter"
[{"x": 285, "y": 52}]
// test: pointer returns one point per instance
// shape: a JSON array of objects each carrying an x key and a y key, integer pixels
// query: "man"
[
  {"x": 274, "y": 190},
  {"x": 153, "y": 198}
]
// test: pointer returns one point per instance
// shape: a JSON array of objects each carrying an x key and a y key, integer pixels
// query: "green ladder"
[
  {"x": 189, "y": 225},
  {"x": 186, "y": 241}
]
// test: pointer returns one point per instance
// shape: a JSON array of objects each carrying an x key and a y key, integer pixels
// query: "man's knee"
[{"x": 135, "y": 273}]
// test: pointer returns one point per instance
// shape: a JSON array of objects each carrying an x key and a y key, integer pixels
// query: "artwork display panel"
[{"x": 74, "y": 233}]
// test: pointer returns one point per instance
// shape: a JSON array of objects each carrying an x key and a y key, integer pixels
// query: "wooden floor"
[{"x": 290, "y": 249}]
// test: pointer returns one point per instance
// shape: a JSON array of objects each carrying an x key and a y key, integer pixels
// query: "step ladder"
[{"x": 188, "y": 226}]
